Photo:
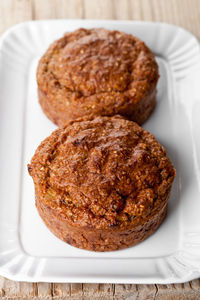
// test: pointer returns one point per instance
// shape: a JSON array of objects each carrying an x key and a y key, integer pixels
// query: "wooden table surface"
[{"x": 185, "y": 13}]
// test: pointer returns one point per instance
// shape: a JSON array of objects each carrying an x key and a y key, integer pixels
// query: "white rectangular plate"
[{"x": 28, "y": 250}]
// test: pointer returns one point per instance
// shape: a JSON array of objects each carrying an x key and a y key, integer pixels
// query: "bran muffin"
[
  {"x": 101, "y": 184},
  {"x": 97, "y": 72}
]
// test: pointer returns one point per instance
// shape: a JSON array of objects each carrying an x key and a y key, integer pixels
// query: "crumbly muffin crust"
[
  {"x": 101, "y": 184},
  {"x": 97, "y": 72}
]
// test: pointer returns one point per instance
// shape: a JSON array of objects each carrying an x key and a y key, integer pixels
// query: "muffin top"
[
  {"x": 91, "y": 62},
  {"x": 102, "y": 173}
]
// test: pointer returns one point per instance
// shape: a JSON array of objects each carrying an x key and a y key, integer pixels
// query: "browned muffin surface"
[
  {"x": 97, "y": 72},
  {"x": 105, "y": 175}
]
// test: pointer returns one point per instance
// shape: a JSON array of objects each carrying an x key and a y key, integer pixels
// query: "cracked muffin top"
[
  {"x": 102, "y": 172},
  {"x": 104, "y": 71}
]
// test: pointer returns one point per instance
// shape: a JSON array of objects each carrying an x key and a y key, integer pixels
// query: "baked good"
[
  {"x": 101, "y": 184},
  {"x": 97, "y": 72}
]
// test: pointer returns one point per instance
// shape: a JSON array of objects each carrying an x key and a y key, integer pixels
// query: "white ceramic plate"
[{"x": 28, "y": 250}]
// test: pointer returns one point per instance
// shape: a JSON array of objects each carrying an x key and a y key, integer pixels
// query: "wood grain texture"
[
  {"x": 13, "y": 12},
  {"x": 96, "y": 9},
  {"x": 184, "y": 13}
]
